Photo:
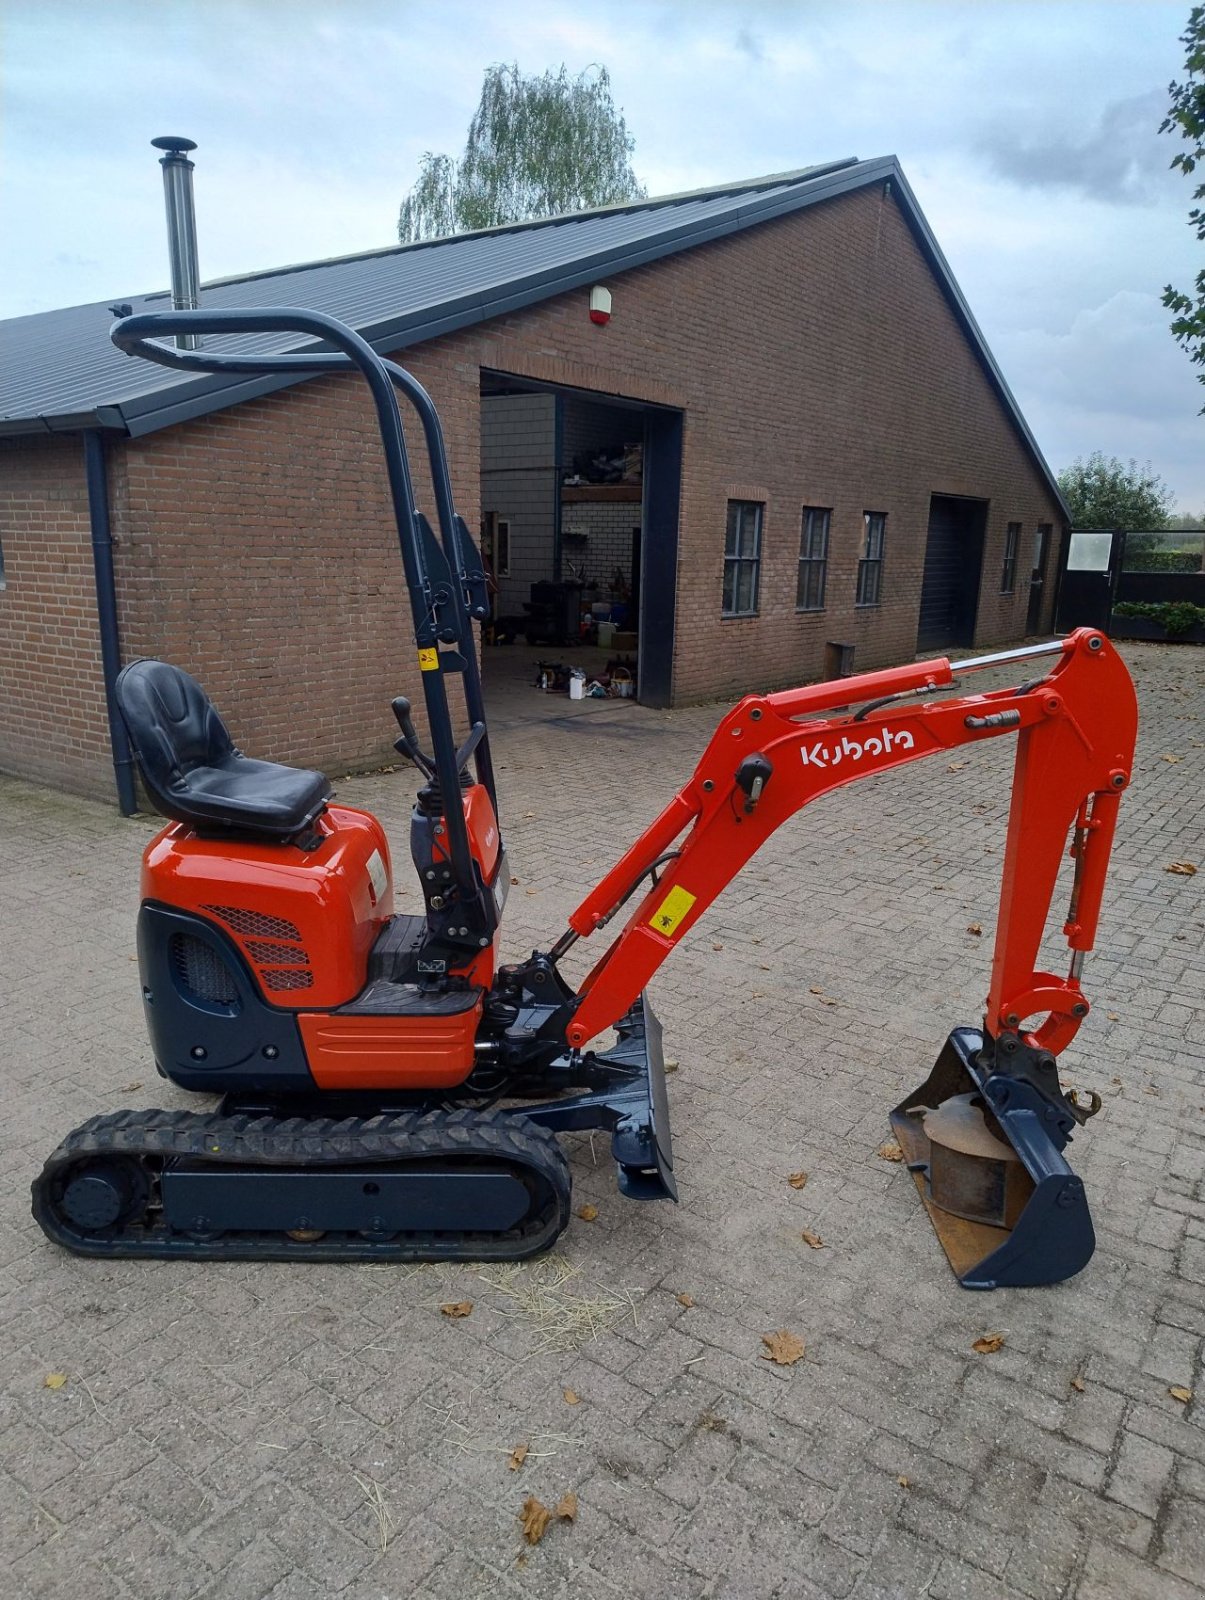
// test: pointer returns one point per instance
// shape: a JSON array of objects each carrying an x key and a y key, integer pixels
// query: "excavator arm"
[
  {"x": 984, "y": 1135},
  {"x": 773, "y": 754}
]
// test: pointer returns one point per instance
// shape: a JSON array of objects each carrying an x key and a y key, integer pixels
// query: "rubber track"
[{"x": 244, "y": 1140}]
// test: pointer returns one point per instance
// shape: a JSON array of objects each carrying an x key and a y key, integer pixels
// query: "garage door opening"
[
  {"x": 579, "y": 526},
  {"x": 949, "y": 598}
]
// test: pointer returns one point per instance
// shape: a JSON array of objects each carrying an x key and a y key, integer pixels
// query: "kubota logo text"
[{"x": 832, "y": 755}]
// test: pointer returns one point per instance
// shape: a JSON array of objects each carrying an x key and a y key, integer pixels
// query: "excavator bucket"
[{"x": 985, "y": 1149}]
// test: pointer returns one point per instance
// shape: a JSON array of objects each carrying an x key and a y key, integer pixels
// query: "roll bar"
[{"x": 445, "y": 580}]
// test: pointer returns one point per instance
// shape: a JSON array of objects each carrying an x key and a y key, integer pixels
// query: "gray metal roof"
[{"x": 60, "y": 372}]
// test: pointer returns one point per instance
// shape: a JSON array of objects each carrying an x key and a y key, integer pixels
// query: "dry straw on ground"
[{"x": 564, "y": 1312}]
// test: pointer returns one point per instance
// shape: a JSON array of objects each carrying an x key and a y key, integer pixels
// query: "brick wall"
[
  {"x": 597, "y": 537},
  {"x": 53, "y": 722},
  {"x": 815, "y": 361},
  {"x": 258, "y": 551}
]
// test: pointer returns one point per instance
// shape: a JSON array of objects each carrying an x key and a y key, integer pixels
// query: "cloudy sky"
[{"x": 1028, "y": 132}]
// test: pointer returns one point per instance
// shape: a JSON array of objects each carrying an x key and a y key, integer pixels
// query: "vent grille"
[
  {"x": 255, "y": 923},
  {"x": 278, "y": 978},
  {"x": 265, "y": 954},
  {"x": 201, "y": 972}
]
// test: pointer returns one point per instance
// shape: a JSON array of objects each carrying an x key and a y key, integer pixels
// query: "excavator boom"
[
  {"x": 984, "y": 1135},
  {"x": 773, "y": 754}
]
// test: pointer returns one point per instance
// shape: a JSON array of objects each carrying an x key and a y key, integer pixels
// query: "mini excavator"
[{"x": 389, "y": 1091}]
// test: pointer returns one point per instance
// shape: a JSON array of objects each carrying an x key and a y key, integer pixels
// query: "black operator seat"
[{"x": 191, "y": 769}]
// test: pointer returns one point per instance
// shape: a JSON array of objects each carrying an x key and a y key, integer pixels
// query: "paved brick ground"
[{"x": 222, "y": 1429}]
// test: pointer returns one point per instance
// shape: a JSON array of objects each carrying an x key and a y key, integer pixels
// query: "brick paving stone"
[{"x": 216, "y": 1418}]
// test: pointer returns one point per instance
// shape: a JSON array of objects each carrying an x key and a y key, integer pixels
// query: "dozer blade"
[
  {"x": 1007, "y": 1214},
  {"x": 635, "y": 1106}
]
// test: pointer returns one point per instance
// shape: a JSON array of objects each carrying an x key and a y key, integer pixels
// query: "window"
[
  {"x": 813, "y": 559},
  {"x": 870, "y": 567},
  {"x": 502, "y": 549},
  {"x": 742, "y": 558},
  {"x": 1008, "y": 578}
]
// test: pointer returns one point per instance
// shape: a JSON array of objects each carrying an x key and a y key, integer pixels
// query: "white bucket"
[{"x": 577, "y": 684}]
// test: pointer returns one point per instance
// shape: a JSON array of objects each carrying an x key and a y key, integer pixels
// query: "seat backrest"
[{"x": 171, "y": 722}]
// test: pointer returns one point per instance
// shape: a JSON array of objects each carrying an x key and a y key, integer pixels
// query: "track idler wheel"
[{"x": 105, "y": 1194}]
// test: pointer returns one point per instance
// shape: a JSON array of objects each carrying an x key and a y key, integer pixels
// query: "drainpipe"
[{"x": 96, "y": 472}]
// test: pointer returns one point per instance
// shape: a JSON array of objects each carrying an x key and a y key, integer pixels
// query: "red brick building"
[{"x": 830, "y": 456}]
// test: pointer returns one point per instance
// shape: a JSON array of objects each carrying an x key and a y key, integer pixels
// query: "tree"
[
  {"x": 1187, "y": 116},
  {"x": 537, "y": 147},
  {"x": 1105, "y": 493}
]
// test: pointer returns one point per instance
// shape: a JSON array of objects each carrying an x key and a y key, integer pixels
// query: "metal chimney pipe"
[{"x": 181, "y": 229}]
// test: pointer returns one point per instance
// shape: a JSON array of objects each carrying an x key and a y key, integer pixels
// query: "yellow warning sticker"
[
  {"x": 671, "y": 911},
  {"x": 428, "y": 660}
]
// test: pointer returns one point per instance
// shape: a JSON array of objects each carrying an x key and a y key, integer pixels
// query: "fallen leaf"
[
  {"x": 457, "y": 1308},
  {"x": 566, "y": 1507},
  {"x": 1183, "y": 869},
  {"x": 529, "y": 813},
  {"x": 588, "y": 1213},
  {"x": 815, "y": 990},
  {"x": 1172, "y": 759},
  {"x": 813, "y": 1239},
  {"x": 131, "y": 1087},
  {"x": 956, "y": 766},
  {"x": 976, "y": 928},
  {"x": 717, "y": 947},
  {"x": 1078, "y": 1385},
  {"x": 783, "y": 1348},
  {"x": 797, "y": 1179},
  {"x": 1180, "y": 1393},
  {"x": 55, "y": 1380},
  {"x": 712, "y": 1422},
  {"x": 987, "y": 1344},
  {"x": 518, "y": 1456},
  {"x": 1112, "y": 1016},
  {"x": 904, "y": 1483},
  {"x": 571, "y": 1397},
  {"x": 513, "y": 882},
  {"x": 1151, "y": 1088},
  {"x": 685, "y": 1299},
  {"x": 535, "y": 1518},
  {"x": 890, "y": 1151},
  {"x": 671, "y": 1066}
]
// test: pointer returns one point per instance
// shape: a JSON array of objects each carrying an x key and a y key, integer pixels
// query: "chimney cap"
[{"x": 172, "y": 142}]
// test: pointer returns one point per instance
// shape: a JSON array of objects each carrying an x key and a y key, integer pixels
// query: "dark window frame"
[
  {"x": 502, "y": 547},
  {"x": 1008, "y": 572},
  {"x": 739, "y": 563},
  {"x": 870, "y": 566},
  {"x": 812, "y": 578}
]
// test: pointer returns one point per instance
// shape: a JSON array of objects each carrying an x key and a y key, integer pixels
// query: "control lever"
[
  {"x": 752, "y": 776},
  {"x": 408, "y": 745},
  {"x": 476, "y": 734}
]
